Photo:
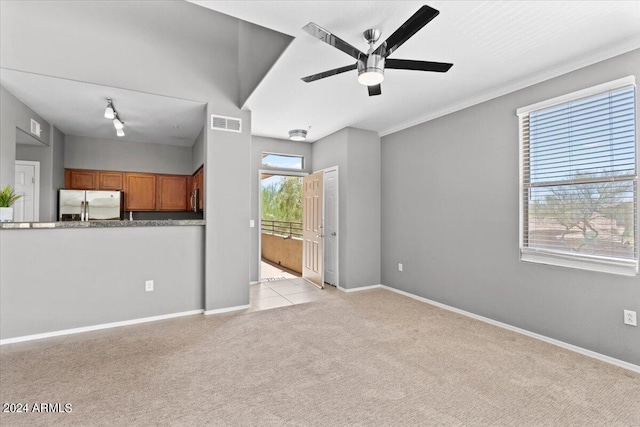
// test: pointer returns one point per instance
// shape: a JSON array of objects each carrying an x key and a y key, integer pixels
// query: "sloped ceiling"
[{"x": 496, "y": 48}]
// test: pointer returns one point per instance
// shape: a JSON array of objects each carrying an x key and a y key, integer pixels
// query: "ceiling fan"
[{"x": 371, "y": 65}]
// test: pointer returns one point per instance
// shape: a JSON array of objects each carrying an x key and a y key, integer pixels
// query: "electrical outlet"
[
  {"x": 148, "y": 285},
  {"x": 630, "y": 318},
  {"x": 399, "y": 267}
]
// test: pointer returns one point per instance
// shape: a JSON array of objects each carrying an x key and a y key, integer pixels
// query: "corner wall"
[
  {"x": 450, "y": 215},
  {"x": 356, "y": 152}
]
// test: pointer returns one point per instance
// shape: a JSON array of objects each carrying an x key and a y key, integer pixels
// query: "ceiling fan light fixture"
[
  {"x": 297, "y": 135},
  {"x": 120, "y": 132},
  {"x": 370, "y": 77},
  {"x": 371, "y": 73}
]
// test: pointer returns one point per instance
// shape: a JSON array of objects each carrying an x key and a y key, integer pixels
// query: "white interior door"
[
  {"x": 312, "y": 231},
  {"x": 331, "y": 227},
  {"x": 26, "y": 208}
]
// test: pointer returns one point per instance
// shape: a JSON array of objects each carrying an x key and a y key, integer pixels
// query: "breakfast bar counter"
[{"x": 100, "y": 224}]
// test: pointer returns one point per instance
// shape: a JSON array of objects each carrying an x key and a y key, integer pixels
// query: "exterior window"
[
  {"x": 282, "y": 161},
  {"x": 578, "y": 184}
]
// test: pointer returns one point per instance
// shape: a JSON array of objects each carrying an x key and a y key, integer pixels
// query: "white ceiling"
[
  {"x": 496, "y": 47},
  {"x": 77, "y": 108}
]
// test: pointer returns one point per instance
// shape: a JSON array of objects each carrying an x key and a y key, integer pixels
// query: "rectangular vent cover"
[
  {"x": 228, "y": 124},
  {"x": 35, "y": 128}
]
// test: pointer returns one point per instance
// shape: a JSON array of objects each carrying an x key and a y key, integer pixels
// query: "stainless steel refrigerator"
[{"x": 87, "y": 205}]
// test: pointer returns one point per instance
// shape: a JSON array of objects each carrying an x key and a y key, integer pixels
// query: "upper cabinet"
[
  {"x": 172, "y": 192},
  {"x": 140, "y": 192},
  {"x": 143, "y": 191},
  {"x": 111, "y": 181},
  {"x": 78, "y": 179},
  {"x": 198, "y": 185}
]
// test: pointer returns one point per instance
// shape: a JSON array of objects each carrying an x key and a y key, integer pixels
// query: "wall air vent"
[
  {"x": 35, "y": 128},
  {"x": 229, "y": 124}
]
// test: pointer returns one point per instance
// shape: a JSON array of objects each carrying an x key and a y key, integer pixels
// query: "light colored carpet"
[{"x": 367, "y": 358}]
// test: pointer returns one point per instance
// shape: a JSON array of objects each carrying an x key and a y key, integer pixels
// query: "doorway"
[
  {"x": 269, "y": 268},
  {"x": 27, "y": 186},
  {"x": 280, "y": 237}
]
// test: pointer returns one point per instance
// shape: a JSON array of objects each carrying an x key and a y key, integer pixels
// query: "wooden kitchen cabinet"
[
  {"x": 189, "y": 192},
  {"x": 199, "y": 179},
  {"x": 113, "y": 181},
  {"x": 172, "y": 193},
  {"x": 140, "y": 191},
  {"x": 80, "y": 179}
]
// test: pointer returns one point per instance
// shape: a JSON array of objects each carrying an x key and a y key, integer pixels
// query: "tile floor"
[
  {"x": 270, "y": 271},
  {"x": 281, "y": 293}
]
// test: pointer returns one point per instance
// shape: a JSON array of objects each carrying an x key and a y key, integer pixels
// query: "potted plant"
[{"x": 7, "y": 198}]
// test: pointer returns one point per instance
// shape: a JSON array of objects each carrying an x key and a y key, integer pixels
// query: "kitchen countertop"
[{"x": 99, "y": 224}]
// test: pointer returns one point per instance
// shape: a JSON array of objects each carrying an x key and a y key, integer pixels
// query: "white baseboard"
[
  {"x": 227, "y": 309},
  {"x": 97, "y": 327},
  {"x": 254, "y": 283},
  {"x": 361, "y": 288},
  {"x": 562, "y": 344}
]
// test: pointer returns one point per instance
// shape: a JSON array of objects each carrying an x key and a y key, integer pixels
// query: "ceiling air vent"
[
  {"x": 229, "y": 124},
  {"x": 35, "y": 128}
]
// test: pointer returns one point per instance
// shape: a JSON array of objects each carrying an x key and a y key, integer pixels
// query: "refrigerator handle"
[
  {"x": 194, "y": 199},
  {"x": 82, "y": 211},
  {"x": 86, "y": 211}
]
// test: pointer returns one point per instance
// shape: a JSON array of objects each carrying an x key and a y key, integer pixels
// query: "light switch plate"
[
  {"x": 148, "y": 285},
  {"x": 252, "y": 223}
]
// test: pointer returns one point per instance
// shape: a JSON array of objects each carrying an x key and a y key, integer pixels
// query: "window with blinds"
[{"x": 579, "y": 180}]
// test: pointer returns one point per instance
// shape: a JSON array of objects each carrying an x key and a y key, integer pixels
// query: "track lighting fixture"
[
  {"x": 111, "y": 114},
  {"x": 117, "y": 123}
]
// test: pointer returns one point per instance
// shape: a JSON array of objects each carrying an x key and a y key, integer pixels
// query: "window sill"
[{"x": 623, "y": 268}]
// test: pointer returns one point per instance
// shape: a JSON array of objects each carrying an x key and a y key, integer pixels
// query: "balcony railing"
[{"x": 282, "y": 228}]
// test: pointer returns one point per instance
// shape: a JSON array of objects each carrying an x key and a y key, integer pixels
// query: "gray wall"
[
  {"x": 197, "y": 152},
  {"x": 356, "y": 152},
  {"x": 197, "y": 59},
  {"x": 260, "y": 145},
  {"x": 93, "y": 276},
  {"x": 450, "y": 215},
  {"x": 14, "y": 114},
  {"x": 227, "y": 210},
  {"x": 111, "y": 154}
]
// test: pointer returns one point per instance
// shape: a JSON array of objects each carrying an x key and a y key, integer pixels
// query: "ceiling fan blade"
[
  {"x": 324, "y": 35},
  {"x": 419, "y": 19},
  {"x": 408, "y": 64},
  {"x": 329, "y": 73},
  {"x": 374, "y": 90}
]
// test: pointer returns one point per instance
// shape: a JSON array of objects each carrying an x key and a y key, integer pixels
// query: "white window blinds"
[{"x": 579, "y": 182}]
